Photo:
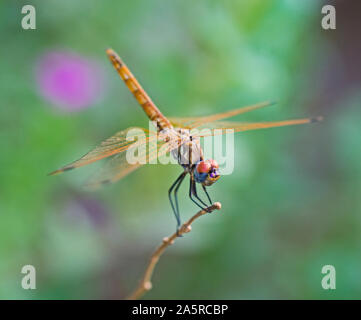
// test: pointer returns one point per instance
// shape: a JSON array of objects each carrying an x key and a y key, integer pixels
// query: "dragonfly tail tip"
[{"x": 109, "y": 51}]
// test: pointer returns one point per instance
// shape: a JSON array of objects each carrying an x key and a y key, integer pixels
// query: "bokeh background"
[{"x": 292, "y": 204}]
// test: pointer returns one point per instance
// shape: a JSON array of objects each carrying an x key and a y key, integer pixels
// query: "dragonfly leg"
[
  {"x": 176, "y": 195},
  {"x": 205, "y": 190},
  {"x": 194, "y": 187},
  {"x": 191, "y": 192},
  {"x": 176, "y": 185},
  {"x": 176, "y": 201}
]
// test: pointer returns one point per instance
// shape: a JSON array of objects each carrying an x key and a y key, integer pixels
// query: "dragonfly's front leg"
[
  {"x": 193, "y": 191},
  {"x": 194, "y": 187},
  {"x": 205, "y": 190}
]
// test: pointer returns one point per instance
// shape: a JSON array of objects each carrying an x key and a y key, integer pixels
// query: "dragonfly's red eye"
[
  {"x": 203, "y": 167},
  {"x": 214, "y": 163}
]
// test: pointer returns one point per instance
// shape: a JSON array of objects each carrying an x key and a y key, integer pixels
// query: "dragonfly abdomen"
[{"x": 140, "y": 95}]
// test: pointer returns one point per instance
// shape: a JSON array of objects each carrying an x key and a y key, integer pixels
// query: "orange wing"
[
  {"x": 118, "y": 166},
  {"x": 114, "y": 148},
  {"x": 247, "y": 126},
  {"x": 194, "y": 122},
  {"x": 117, "y": 143}
]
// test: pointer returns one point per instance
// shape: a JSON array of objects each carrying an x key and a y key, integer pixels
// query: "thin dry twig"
[{"x": 146, "y": 284}]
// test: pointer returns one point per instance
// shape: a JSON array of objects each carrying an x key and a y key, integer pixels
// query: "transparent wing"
[
  {"x": 114, "y": 169},
  {"x": 119, "y": 165},
  {"x": 208, "y": 129},
  {"x": 194, "y": 122},
  {"x": 117, "y": 143}
]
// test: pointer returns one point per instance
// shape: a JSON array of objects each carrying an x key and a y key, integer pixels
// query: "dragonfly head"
[{"x": 206, "y": 172}]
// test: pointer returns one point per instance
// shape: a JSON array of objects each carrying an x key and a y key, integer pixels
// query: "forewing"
[
  {"x": 222, "y": 126},
  {"x": 117, "y": 143},
  {"x": 119, "y": 165},
  {"x": 195, "y": 122},
  {"x": 114, "y": 169}
]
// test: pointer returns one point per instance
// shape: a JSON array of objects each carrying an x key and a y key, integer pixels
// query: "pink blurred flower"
[{"x": 69, "y": 81}]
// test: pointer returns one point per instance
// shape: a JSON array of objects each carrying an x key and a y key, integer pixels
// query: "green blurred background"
[{"x": 292, "y": 204}]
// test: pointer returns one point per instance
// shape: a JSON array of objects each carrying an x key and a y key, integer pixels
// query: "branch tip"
[
  {"x": 148, "y": 285},
  {"x": 217, "y": 205}
]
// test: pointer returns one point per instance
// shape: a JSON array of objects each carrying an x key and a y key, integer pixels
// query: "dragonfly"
[{"x": 173, "y": 136}]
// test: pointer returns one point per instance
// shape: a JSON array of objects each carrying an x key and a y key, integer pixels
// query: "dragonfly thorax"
[{"x": 184, "y": 147}]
